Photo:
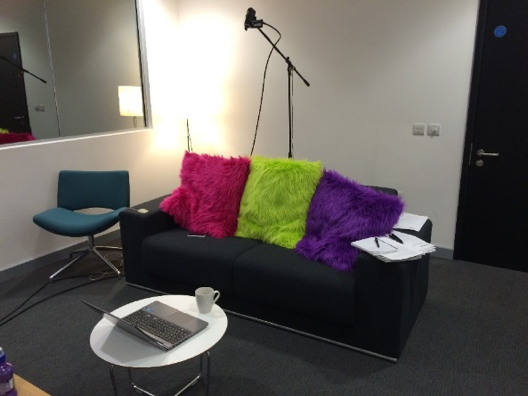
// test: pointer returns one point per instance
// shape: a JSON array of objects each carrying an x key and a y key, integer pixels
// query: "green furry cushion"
[{"x": 275, "y": 202}]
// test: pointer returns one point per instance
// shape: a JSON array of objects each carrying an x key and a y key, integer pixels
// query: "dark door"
[
  {"x": 13, "y": 103},
  {"x": 492, "y": 224}
]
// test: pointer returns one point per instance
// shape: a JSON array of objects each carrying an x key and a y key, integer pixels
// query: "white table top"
[{"x": 120, "y": 348}]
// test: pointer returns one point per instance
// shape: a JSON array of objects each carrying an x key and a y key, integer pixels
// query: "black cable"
[
  {"x": 90, "y": 277},
  {"x": 47, "y": 283},
  {"x": 50, "y": 297},
  {"x": 263, "y": 86},
  {"x": 25, "y": 301},
  {"x": 291, "y": 121}
]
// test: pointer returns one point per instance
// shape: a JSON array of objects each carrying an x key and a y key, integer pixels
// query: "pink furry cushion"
[{"x": 208, "y": 199}]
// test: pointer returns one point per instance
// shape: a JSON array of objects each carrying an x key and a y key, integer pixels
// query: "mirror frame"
[
  {"x": 144, "y": 78},
  {"x": 143, "y": 63}
]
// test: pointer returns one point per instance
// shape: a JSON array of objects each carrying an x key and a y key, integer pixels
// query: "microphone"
[{"x": 250, "y": 17}]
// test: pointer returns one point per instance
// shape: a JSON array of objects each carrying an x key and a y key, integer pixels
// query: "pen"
[
  {"x": 377, "y": 242},
  {"x": 392, "y": 236}
]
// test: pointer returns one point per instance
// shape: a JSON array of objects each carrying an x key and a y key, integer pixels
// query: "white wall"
[
  {"x": 375, "y": 68},
  {"x": 29, "y": 174}
]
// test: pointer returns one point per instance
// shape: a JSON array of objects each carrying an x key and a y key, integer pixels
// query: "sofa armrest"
[
  {"x": 389, "y": 297},
  {"x": 135, "y": 227},
  {"x": 385, "y": 190}
]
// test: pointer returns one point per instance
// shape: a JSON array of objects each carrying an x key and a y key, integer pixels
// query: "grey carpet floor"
[{"x": 471, "y": 338}]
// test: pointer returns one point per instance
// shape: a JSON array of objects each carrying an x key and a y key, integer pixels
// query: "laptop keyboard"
[{"x": 159, "y": 327}]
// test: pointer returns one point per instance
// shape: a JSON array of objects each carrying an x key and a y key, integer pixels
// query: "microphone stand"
[
  {"x": 291, "y": 68},
  {"x": 22, "y": 69}
]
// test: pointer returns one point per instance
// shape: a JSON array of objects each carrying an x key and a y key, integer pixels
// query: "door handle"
[{"x": 482, "y": 153}]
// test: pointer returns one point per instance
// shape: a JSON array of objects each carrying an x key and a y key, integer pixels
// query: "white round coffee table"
[{"x": 120, "y": 348}]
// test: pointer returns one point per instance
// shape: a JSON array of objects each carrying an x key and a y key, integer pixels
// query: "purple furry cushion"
[
  {"x": 208, "y": 199},
  {"x": 343, "y": 211}
]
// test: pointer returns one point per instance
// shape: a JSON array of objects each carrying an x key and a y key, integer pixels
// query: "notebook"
[{"x": 157, "y": 323}]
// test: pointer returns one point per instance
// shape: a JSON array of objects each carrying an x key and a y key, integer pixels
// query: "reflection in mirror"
[{"x": 63, "y": 62}]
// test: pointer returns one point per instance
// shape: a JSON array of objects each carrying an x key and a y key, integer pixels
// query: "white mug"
[{"x": 205, "y": 298}]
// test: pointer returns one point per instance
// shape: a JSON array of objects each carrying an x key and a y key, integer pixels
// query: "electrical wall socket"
[
  {"x": 433, "y": 130},
  {"x": 419, "y": 129}
]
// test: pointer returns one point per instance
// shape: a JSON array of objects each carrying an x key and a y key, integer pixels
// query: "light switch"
[
  {"x": 433, "y": 129},
  {"x": 418, "y": 129}
]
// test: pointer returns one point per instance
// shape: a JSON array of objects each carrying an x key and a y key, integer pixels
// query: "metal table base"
[{"x": 192, "y": 383}]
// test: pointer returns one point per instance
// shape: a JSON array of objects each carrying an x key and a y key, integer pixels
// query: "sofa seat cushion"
[
  {"x": 278, "y": 277},
  {"x": 196, "y": 261}
]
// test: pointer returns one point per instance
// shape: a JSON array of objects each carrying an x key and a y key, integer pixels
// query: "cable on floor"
[{"x": 91, "y": 277}]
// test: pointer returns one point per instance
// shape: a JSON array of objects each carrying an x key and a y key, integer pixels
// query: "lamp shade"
[{"x": 130, "y": 101}]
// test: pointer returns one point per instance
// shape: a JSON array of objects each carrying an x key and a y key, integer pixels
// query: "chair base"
[{"x": 84, "y": 252}]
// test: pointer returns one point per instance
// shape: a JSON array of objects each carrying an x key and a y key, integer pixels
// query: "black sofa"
[{"x": 371, "y": 310}]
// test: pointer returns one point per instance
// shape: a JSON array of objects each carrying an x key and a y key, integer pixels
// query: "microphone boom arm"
[
  {"x": 286, "y": 58},
  {"x": 22, "y": 69}
]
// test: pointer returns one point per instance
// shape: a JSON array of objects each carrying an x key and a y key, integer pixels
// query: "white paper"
[
  {"x": 369, "y": 245},
  {"x": 409, "y": 221},
  {"x": 390, "y": 250},
  {"x": 416, "y": 244},
  {"x": 400, "y": 255}
]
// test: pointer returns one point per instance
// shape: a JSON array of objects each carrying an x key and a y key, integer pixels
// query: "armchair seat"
[{"x": 62, "y": 221}]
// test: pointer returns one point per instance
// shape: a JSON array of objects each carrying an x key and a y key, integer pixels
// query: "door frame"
[{"x": 470, "y": 126}]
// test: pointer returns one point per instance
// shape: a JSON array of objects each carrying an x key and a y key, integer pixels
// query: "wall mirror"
[{"x": 70, "y": 67}]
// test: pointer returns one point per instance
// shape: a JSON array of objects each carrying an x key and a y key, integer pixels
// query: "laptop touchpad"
[{"x": 181, "y": 319}]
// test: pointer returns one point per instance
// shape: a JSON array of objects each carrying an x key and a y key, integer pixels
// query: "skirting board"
[{"x": 53, "y": 257}]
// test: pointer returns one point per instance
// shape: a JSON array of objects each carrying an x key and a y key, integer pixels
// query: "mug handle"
[{"x": 217, "y": 295}]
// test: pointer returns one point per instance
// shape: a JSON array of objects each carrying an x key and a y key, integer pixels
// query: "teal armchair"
[{"x": 79, "y": 190}]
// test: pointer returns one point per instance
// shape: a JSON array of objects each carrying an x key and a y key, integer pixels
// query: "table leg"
[
  {"x": 195, "y": 380},
  {"x": 201, "y": 375},
  {"x": 208, "y": 371},
  {"x": 113, "y": 379},
  {"x": 192, "y": 383},
  {"x": 137, "y": 388}
]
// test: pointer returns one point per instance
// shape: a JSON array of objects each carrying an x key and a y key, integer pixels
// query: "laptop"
[{"x": 157, "y": 323}]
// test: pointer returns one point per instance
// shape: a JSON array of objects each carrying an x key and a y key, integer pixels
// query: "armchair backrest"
[{"x": 93, "y": 189}]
